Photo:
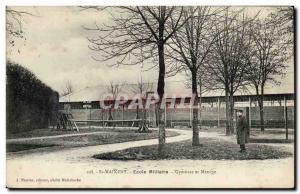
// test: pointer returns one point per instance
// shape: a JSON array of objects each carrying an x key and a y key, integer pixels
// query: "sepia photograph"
[{"x": 150, "y": 97}]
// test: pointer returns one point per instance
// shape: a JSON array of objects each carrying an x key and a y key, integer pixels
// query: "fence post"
[
  {"x": 165, "y": 114},
  {"x": 250, "y": 106},
  {"x": 123, "y": 115},
  {"x": 286, "y": 120},
  {"x": 171, "y": 116},
  {"x": 102, "y": 118},
  {"x": 191, "y": 124},
  {"x": 219, "y": 104},
  {"x": 248, "y": 117},
  {"x": 90, "y": 113}
]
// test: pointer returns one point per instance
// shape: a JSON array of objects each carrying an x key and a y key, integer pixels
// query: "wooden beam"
[{"x": 286, "y": 119}]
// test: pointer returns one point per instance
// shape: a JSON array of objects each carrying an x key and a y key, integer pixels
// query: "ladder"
[{"x": 66, "y": 121}]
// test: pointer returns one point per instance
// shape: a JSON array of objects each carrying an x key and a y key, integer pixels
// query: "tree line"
[{"x": 219, "y": 48}]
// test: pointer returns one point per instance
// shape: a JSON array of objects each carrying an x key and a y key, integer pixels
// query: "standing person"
[{"x": 242, "y": 133}]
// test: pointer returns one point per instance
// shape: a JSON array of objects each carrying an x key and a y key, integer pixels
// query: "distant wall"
[
  {"x": 30, "y": 104},
  {"x": 274, "y": 116}
]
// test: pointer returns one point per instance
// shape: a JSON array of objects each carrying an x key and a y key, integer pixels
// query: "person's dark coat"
[{"x": 242, "y": 132}]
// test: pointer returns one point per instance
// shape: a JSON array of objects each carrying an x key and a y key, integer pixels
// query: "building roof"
[{"x": 172, "y": 89}]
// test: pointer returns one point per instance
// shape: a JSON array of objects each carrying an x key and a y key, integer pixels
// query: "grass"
[
  {"x": 18, "y": 147},
  {"x": 266, "y": 140},
  {"x": 109, "y": 136},
  {"x": 210, "y": 149},
  {"x": 52, "y": 132},
  {"x": 273, "y": 135}
]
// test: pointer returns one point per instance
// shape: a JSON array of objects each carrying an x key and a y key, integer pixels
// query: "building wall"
[{"x": 210, "y": 116}]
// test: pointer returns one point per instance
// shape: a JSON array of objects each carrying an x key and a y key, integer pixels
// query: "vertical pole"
[
  {"x": 90, "y": 115},
  {"x": 123, "y": 115},
  {"x": 87, "y": 116},
  {"x": 191, "y": 116},
  {"x": 199, "y": 114},
  {"x": 171, "y": 115},
  {"x": 219, "y": 104},
  {"x": 149, "y": 116},
  {"x": 165, "y": 114},
  {"x": 102, "y": 118},
  {"x": 156, "y": 115},
  {"x": 286, "y": 120},
  {"x": 234, "y": 120},
  {"x": 250, "y": 105},
  {"x": 248, "y": 117}
]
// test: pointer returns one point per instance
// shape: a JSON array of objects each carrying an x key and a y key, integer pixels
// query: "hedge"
[{"x": 30, "y": 104}]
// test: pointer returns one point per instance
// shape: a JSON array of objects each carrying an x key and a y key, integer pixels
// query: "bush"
[{"x": 30, "y": 104}]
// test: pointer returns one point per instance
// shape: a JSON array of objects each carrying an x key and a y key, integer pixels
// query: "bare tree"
[
  {"x": 14, "y": 26},
  {"x": 283, "y": 18},
  {"x": 68, "y": 89},
  {"x": 114, "y": 89},
  {"x": 189, "y": 48},
  {"x": 137, "y": 34},
  {"x": 142, "y": 88},
  {"x": 203, "y": 81},
  {"x": 267, "y": 59},
  {"x": 227, "y": 65}
]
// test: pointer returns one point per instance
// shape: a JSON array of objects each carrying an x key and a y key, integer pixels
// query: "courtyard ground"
[
  {"x": 53, "y": 132},
  {"x": 209, "y": 149},
  {"x": 215, "y": 146},
  {"x": 78, "y": 163},
  {"x": 49, "y": 139}
]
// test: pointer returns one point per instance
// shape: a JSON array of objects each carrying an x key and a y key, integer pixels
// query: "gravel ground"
[
  {"x": 56, "y": 142},
  {"x": 210, "y": 149},
  {"x": 78, "y": 163}
]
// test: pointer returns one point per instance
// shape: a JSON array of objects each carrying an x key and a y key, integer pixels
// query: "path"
[
  {"x": 54, "y": 136},
  {"x": 77, "y": 164},
  {"x": 85, "y": 153}
]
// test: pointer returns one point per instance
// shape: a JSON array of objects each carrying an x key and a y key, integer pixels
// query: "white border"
[
  {"x": 150, "y": 2},
  {"x": 105, "y": 2}
]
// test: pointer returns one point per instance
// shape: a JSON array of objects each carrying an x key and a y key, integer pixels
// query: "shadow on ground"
[
  {"x": 253, "y": 140},
  {"x": 109, "y": 137},
  {"x": 21, "y": 147},
  {"x": 210, "y": 149}
]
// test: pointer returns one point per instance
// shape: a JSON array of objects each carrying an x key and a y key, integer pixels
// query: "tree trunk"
[
  {"x": 227, "y": 100},
  {"x": 231, "y": 113},
  {"x": 227, "y": 111},
  {"x": 143, "y": 127},
  {"x": 136, "y": 124},
  {"x": 137, "y": 113},
  {"x": 110, "y": 117},
  {"x": 261, "y": 109},
  {"x": 195, "y": 109},
  {"x": 160, "y": 92},
  {"x": 200, "y": 103}
]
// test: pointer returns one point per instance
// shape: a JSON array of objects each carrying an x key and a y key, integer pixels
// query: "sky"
[{"x": 56, "y": 51}]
